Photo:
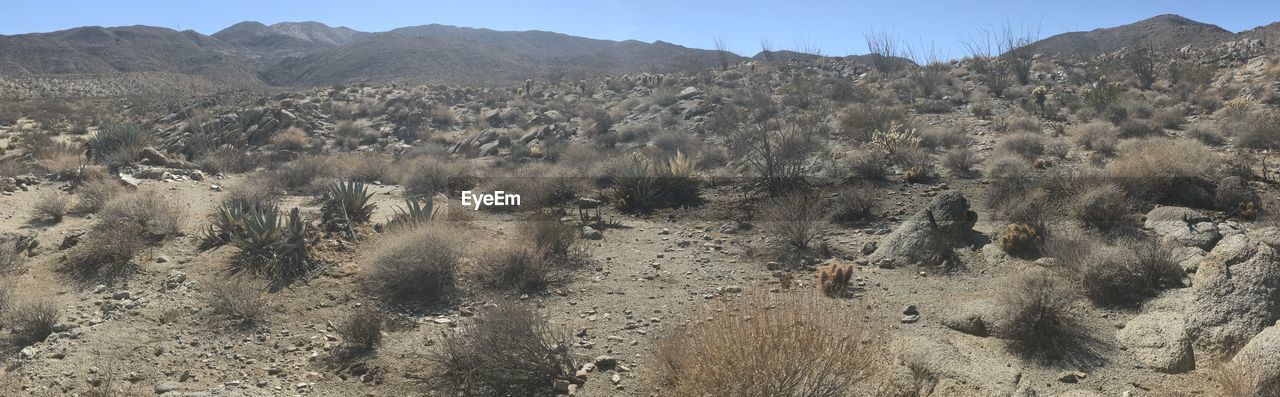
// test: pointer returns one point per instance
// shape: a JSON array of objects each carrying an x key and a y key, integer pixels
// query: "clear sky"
[{"x": 836, "y": 27}]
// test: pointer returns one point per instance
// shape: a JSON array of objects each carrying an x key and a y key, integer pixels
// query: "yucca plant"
[
  {"x": 349, "y": 200},
  {"x": 119, "y": 143},
  {"x": 267, "y": 244},
  {"x": 635, "y": 188},
  {"x": 413, "y": 214}
]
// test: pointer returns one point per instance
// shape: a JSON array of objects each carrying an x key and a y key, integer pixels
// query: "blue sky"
[{"x": 836, "y": 27}]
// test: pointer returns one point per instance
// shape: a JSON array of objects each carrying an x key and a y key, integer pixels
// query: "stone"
[
  {"x": 928, "y": 237},
  {"x": 689, "y": 93},
  {"x": 606, "y": 362},
  {"x": 591, "y": 233},
  {"x": 1183, "y": 226},
  {"x": 166, "y": 386},
  {"x": 1235, "y": 294},
  {"x": 910, "y": 314},
  {"x": 970, "y": 317},
  {"x": 1159, "y": 341}
]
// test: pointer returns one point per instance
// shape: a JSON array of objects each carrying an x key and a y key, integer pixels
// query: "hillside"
[{"x": 1163, "y": 32}]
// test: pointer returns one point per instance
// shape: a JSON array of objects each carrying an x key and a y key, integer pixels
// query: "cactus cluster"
[
  {"x": 1019, "y": 238},
  {"x": 833, "y": 278}
]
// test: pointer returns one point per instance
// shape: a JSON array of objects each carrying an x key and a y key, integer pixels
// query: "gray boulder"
[
  {"x": 1236, "y": 293},
  {"x": 1262, "y": 354},
  {"x": 1183, "y": 226},
  {"x": 1158, "y": 340},
  {"x": 928, "y": 237}
]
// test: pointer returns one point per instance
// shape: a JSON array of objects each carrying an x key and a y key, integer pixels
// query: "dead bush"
[
  {"x": 1102, "y": 207},
  {"x": 32, "y": 321},
  {"x": 960, "y": 162},
  {"x": 351, "y": 136},
  {"x": 241, "y": 300},
  {"x": 1024, "y": 144},
  {"x": 1206, "y": 134},
  {"x": 304, "y": 172},
  {"x": 361, "y": 332},
  {"x": 560, "y": 241},
  {"x": 363, "y": 167},
  {"x": 103, "y": 256},
  {"x": 1125, "y": 275},
  {"x": 854, "y": 204},
  {"x": 1099, "y": 137},
  {"x": 1167, "y": 171},
  {"x": 94, "y": 193},
  {"x": 51, "y": 207},
  {"x": 292, "y": 139},
  {"x": 417, "y": 267},
  {"x": 859, "y": 121},
  {"x": 1243, "y": 379},
  {"x": 867, "y": 165},
  {"x": 760, "y": 347},
  {"x": 1035, "y": 304},
  {"x": 798, "y": 219},
  {"x": 424, "y": 178},
  {"x": 943, "y": 138},
  {"x": 508, "y": 350},
  {"x": 1257, "y": 130},
  {"x": 515, "y": 267},
  {"x": 153, "y": 214}
]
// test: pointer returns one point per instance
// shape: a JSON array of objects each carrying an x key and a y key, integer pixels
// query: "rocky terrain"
[{"x": 1019, "y": 224}]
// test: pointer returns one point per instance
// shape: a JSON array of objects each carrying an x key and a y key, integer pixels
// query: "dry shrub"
[
  {"x": 1127, "y": 274},
  {"x": 867, "y": 165},
  {"x": 1205, "y": 133},
  {"x": 1098, "y": 136},
  {"x": 240, "y": 300},
  {"x": 508, "y": 350},
  {"x": 1102, "y": 207},
  {"x": 12, "y": 256},
  {"x": 254, "y": 190},
  {"x": 943, "y": 138},
  {"x": 304, "y": 172},
  {"x": 361, "y": 332},
  {"x": 1244, "y": 379},
  {"x": 292, "y": 139},
  {"x": 103, "y": 256},
  {"x": 1166, "y": 171},
  {"x": 760, "y": 347},
  {"x": 861, "y": 120},
  {"x": 424, "y": 178},
  {"x": 560, "y": 241},
  {"x": 153, "y": 214},
  {"x": 351, "y": 136},
  {"x": 51, "y": 207},
  {"x": 798, "y": 218},
  {"x": 417, "y": 267},
  {"x": 363, "y": 167},
  {"x": 854, "y": 204},
  {"x": 94, "y": 193},
  {"x": 515, "y": 267},
  {"x": 32, "y": 321},
  {"x": 960, "y": 162},
  {"x": 1027, "y": 145},
  {"x": 1035, "y": 304},
  {"x": 1257, "y": 130}
]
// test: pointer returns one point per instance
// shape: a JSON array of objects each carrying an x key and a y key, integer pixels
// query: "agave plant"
[
  {"x": 413, "y": 213},
  {"x": 349, "y": 200},
  {"x": 267, "y": 243}
]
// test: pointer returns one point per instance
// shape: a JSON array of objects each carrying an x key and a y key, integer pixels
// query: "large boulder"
[
  {"x": 1183, "y": 226},
  {"x": 1262, "y": 354},
  {"x": 973, "y": 317},
  {"x": 1159, "y": 341},
  {"x": 928, "y": 237},
  {"x": 1236, "y": 293}
]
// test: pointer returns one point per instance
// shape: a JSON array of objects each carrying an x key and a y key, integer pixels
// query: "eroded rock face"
[
  {"x": 928, "y": 237},
  {"x": 1236, "y": 294},
  {"x": 1158, "y": 340}
]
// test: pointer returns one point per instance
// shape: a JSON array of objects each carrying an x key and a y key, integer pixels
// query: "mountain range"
[{"x": 312, "y": 53}]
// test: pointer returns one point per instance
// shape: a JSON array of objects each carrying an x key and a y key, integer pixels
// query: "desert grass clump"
[
  {"x": 1026, "y": 145},
  {"x": 833, "y": 279},
  {"x": 424, "y": 178},
  {"x": 241, "y": 301},
  {"x": 1206, "y": 134},
  {"x": 1035, "y": 305},
  {"x": 1238, "y": 378},
  {"x": 51, "y": 207},
  {"x": 759, "y": 347},
  {"x": 94, "y": 193},
  {"x": 32, "y": 321},
  {"x": 560, "y": 241},
  {"x": 154, "y": 215},
  {"x": 516, "y": 267},
  {"x": 417, "y": 267},
  {"x": 1102, "y": 207},
  {"x": 960, "y": 162},
  {"x": 508, "y": 350},
  {"x": 798, "y": 219},
  {"x": 1099, "y": 137},
  {"x": 854, "y": 204},
  {"x": 351, "y": 136},
  {"x": 118, "y": 143},
  {"x": 859, "y": 121},
  {"x": 943, "y": 138},
  {"x": 1166, "y": 171},
  {"x": 293, "y": 139},
  {"x": 1257, "y": 130},
  {"x": 104, "y": 256},
  {"x": 361, "y": 331},
  {"x": 13, "y": 255}
]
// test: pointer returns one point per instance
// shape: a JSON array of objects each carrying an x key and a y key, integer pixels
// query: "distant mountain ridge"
[{"x": 312, "y": 53}]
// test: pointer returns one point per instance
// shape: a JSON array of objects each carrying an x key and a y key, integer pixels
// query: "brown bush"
[
  {"x": 1243, "y": 379},
  {"x": 1166, "y": 171},
  {"x": 861, "y": 120},
  {"x": 150, "y": 212},
  {"x": 798, "y": 219},
  {"x": 1025, "y": 144},
  {"x": 363, "y": 167},
  {"x": 416, "y": 267},
  {"x": 94, "y": 193},
  {"x": 1020, "y": 239},
  {"x": 240, "y": 300},
  {"x": 1102, "y": 207},
  {"x": 1257, "y": 130},
  {"x": 516, "y": 267},
  {"x": 1128, "y": 274},
  {"x": 51, "y": 207},
  {"x": 103, "y": 256},
  {"x": 423, "y": 178},
  {"x": 1035, "y": 304},
  {"x": 960, "y": 162},
  {"x": 854, "y": 203},
  {"x": 361, "y": 332},
  {"x": 292, "y": 139},
  {"x": 762, "y": 347},
  {"x": 866, "y": 165},
  {"x": 32, "y": 321},
  {"x": 508, "y": 350}
]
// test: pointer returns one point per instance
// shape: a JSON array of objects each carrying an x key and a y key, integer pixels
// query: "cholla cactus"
[
  {"x": 1237, "y": 106},
  {"x": 1040, "y": 93},
  {"x": 895, "y": 139}
]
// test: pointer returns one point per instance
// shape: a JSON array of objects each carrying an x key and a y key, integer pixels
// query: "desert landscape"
[{"x": 302, "y": 210}]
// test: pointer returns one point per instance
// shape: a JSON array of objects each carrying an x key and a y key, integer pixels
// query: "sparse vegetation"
[
  {"x": 416, "y": 267},
  {"x": 1036, "y": 304},
  {"x": 241, "y": 301},
  {"x": 507, "y": 350},
  {"x": 32, "y": 321}
]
